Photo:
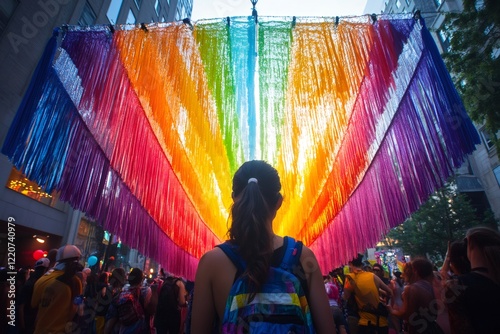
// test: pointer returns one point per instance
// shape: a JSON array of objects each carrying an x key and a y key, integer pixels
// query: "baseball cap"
[
  {"x": 43, "y": 262},
  {"x": 68, "y": 253}
]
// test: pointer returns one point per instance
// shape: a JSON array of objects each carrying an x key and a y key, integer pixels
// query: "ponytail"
[{"x": 256, "y": 187}]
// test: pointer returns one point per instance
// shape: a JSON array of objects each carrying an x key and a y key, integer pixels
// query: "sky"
[{"x": 206, "y": 9}]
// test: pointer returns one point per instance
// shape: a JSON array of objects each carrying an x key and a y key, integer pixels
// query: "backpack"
[
  {"x": 168, "y": 296},
  {"x": 129, "y": 307},
  {"x": 281, "y": 305}
]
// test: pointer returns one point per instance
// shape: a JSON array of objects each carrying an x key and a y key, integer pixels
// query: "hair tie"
[{"x": 253, "y": 179}]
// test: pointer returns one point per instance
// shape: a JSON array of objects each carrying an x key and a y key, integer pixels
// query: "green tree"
[
  {"x": 473, "y": 59},
  {"x": 445, "y": 216}
]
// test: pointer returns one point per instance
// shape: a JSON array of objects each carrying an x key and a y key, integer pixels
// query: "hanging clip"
[
  {"x": 254, "y": 11},
  {"x": 417, "y": 15},
  {"x": 374, "y": 18},
  {"x": 111, "y": 28},
  {"x": 228, "y": 20},
  {"x": 188, "y": 22},
  {"x": 418, "y": 18},
  {"x": 294, "y": 21},
  {"x": 337, "y": 19},
  {"x": 143, "y": 27}
]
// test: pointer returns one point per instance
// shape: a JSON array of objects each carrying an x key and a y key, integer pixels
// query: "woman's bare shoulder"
[
  {"x": 213, "y": 256},
  {"x": 307, "y": 253},
  {"x": 308, "y": 260}
]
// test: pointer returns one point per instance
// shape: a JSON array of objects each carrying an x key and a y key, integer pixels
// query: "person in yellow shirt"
[
  {"x": 366, "y": 286},
  {"x": 55, "y": 294}
]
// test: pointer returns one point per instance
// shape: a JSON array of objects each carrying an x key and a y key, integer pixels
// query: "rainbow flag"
[{"x": 142, "y": 128}]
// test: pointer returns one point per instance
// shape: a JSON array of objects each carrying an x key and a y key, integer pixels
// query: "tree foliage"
[
  {"x": 473, "y": 59},
  {"x": 446, "y": 216}
]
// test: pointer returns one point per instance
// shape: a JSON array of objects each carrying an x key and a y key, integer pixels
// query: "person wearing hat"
[
  {"x": 54, "y": 294},
  {"x": 27, "y": 314}
]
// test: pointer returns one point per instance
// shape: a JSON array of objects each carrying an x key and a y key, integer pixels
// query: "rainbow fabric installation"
[{"x": 142, "y": 127}]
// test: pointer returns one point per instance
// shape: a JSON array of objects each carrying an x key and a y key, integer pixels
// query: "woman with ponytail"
[{"x": 256, "y": 199}]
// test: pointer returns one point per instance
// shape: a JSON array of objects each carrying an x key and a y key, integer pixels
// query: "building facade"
[
  {"x": 479, "y": 177},
  {"x": 42, "y": 221}
]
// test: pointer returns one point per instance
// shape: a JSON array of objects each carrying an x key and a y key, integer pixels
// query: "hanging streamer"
[{"x": 142, "y": 129}]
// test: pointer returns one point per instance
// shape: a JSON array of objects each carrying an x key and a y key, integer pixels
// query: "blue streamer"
[
  {"x": 241, "y": 51},
  {"x": 454, "y": 117},
  {"x": 252, "y": 119},
  {"x": 20, "y": 129},
  {"x": 42, "y": 157}
]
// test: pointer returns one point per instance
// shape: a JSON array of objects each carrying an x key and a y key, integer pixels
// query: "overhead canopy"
[{"x": 143, "y": 127}]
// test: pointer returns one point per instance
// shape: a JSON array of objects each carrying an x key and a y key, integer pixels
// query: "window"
[
  {"x": 488, "y": 139},
  {"x": 187, "y": 7},
  {"x": 7, "y": 8},
  {"x": 398, "y": 4},
  {"x": 138, "y": 3},
  {"x": 496, "y": 171},
  {"x": 18, "y": 182},
  {"x": 114, "y": 10},
  {"x": 444, "y": 39},
  {"x": 88, "y": 16},
  {"x": 438, "y": 2},
  {"x": 157, "y": 7},
  {"x": 130, "y": 17}
]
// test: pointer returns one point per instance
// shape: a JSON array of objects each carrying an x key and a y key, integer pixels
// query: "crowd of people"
[
  {"x": 60, "y": 296},
  {"x": 258, "y": 282}
]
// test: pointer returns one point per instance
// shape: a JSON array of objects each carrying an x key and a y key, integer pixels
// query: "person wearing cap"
[
  {"x": 54, "y": 294},
  {"x": 27, "y": 314}
]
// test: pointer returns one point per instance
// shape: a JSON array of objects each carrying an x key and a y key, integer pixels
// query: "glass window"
[
  {"x": 438, "y": 2},
  {"x": 88, "y": 16},
  {"x": 130, "y": 17},
  {"x": 398, "y": 4},
  {"x": 138, "y": 3},
  {"x": 157, "y": 7},
  {"x": 114, "y": 10},
  {"x": 18, "y": 182},
  {"x": 487, "y": 139},
  {"x": 186, "y": 6},
  {"x": 445, "y": 40},
  {"x": 7, "y": 8},
  {"x": 496, "y": 171}
]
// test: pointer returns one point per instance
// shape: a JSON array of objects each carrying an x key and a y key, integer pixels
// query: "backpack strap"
[
  {"x": 291, "y": 257},
  {"x": 293, "y": 250},
  {"x": 230, "y": 251}
]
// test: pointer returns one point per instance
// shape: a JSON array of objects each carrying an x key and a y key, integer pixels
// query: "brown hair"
[
  {"x": 487, "y": 240},
  {"x": 254, "y": 204}
]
